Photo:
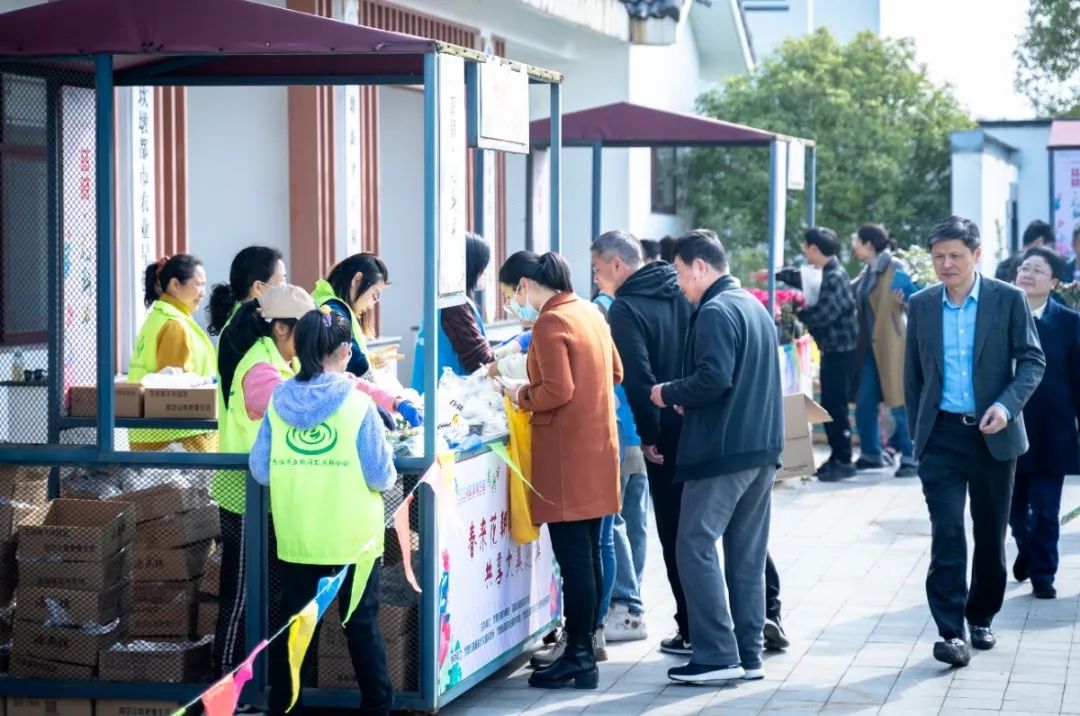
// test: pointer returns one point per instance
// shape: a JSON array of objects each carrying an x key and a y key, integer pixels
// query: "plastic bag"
[{"x": 522, "y": 528}]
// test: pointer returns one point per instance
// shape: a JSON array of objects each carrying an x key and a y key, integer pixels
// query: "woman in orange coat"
[{"x": 573, "y": 368}]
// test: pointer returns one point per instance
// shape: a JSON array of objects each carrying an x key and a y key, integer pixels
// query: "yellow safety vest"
[{"x": 323, "y": 294}]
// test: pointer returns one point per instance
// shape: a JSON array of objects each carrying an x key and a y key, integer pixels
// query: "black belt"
[{"x": 965, "y": 419}]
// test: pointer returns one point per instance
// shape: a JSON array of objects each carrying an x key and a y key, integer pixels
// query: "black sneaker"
[
  {"x": 907, "y": 469},
  {"x": 882, "y": 461},
  {"x": 1043, "y": 589},
  {"x": 703, "y": 673},
  {"x": 1020, "y": 568},
  {"x": 775, "y": 638},
  {"x": 676, "y": 645},
  {"x": 953, "y": 652},
  {"x": 982, "y": 637},
  {"x": 836, "y": 471}
]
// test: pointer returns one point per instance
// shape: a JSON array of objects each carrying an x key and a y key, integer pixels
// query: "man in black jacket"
[
  {"x": 731, "y": 441},
  {"x": 649, "y": 319}
]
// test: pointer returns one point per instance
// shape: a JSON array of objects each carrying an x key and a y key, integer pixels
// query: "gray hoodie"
[{"x": 304, "y": 405}]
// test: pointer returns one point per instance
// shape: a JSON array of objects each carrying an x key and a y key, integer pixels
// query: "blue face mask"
[{"x": 526, "y": 313}]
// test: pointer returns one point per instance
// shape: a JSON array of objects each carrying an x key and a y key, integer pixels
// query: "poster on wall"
[
  {"x": 80, "y": 232},
  {"x": 541, "y": 197},
  {"x": 1066, "y": 197},
  {"x": 453, "y": 199},
  {"x": 493, "y": 592}
]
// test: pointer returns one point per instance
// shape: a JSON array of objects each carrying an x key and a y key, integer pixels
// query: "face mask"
[{"x": 526, "y": 313}]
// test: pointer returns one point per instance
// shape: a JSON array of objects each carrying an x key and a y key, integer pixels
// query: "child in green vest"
[{"x": 322, "y": 451}]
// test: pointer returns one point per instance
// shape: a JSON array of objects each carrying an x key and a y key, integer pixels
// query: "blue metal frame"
[
  {"x": 774, "y": 189},
  {"x": 55, "y": 268},
  {"x": 273, "y": 81},
  {"x": 597, "y": 185},
  {"x": 530, "y": 240},
  {"x": 556, "y": 168},
  {"x": 106, "y": 253}
]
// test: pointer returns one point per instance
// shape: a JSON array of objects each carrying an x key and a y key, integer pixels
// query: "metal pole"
[
  {"x": 597, "y": 183},
  {"x": 256, "y": 580},
  {"x": 106, "y": 270},
  {"x": 556, "y": 167},
  {"x": 429, "y": 643},
  {"x": 811, "y": 187},
  {"x": 478, "y": 191},
  {"x": 773, "y": 220},
  {"x": 530, "y": 241},
  {"x": 55, "y": 286}
]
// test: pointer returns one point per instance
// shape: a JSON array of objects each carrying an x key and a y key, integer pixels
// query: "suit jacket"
[
  {"x": 573, "y": 369},
  {"x": 1008, "y": 363},
  {"x": 1051, "y": 415}
]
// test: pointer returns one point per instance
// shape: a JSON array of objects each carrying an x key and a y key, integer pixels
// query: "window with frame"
[
  {"x": 23, "y": 211},
  {"x": 665, "y": 188}
]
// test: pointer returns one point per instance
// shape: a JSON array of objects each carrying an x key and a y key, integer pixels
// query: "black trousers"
[
  {"x": 367, "y": 649},
  {"x": 772, "y": 590},
  {"x": 957, "y": 466},
  {"x": 1035, "y": 522},
  {"x": 577, "y": 549},
  {"x": 837, "y": 370},
  {"x": 666, "y": 497}
]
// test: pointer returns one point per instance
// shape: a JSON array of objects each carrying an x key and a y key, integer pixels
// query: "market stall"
[{"x": 143, "y": 534}]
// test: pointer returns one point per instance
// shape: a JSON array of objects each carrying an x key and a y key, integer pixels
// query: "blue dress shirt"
[{"x": 958, "y": 339}]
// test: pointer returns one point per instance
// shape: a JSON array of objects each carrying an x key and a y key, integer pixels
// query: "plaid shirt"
[{"x": 832, "y": 319}]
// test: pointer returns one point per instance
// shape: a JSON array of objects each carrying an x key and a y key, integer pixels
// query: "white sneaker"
[
  {"x": 621, "y": 625},
  {"x": 548, "y": 655},
  {"x": 753, "y": 674},
  {"x": 599, "y": 645}
]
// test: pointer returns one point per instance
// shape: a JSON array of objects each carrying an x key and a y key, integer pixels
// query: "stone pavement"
[{"x": 852, "y": 558}]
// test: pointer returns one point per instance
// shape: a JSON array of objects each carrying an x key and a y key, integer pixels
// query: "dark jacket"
[
  {"x": 832, "y": 319},
  {"x": 731, "y": 391},
  {"x": 1051, "y": 414},
  {"x": 1008, "y": 363},
  {"x": 649, "y": 319}
]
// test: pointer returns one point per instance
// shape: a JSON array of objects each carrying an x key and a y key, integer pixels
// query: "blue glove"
[
  {"x": 524, "y": 340},
  {"x": 411, "y": 414}
]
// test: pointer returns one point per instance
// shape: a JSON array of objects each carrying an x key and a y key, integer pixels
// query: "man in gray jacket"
[{"x": 730, "y": 445}]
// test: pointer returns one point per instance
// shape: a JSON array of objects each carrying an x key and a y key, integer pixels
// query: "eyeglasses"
[{"x": 1026, "y": 269}]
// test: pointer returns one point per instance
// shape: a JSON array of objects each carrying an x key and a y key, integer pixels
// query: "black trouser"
[
  {"x": 666, "y": 497},
  {"x": 1035, "y": 522},
  {"x": 957, "y": 465},
  {"x": 299, "y": 582},
  {"x": 772, "y": 590},
  {"x": 577, "y": 549},
  {"x": 837, "y": 369}
]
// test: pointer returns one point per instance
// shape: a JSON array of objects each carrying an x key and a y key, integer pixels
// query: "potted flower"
[{"x": 785, "y": 312}]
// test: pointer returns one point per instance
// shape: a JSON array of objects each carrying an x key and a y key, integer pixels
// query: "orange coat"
[{"x": 573, "y": 368}]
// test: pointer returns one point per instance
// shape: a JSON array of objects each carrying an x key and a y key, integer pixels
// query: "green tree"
[
  {"x": 882, "y": 133},
  {"x": 1048, "y": 57}
]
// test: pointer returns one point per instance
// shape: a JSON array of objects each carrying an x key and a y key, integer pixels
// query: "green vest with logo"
[
  {"x": 324, "y": 512},
  {"x": 236, "y": 431},
  {"x": 203, "y": 361},
  {"x": 323, "y": 294}
]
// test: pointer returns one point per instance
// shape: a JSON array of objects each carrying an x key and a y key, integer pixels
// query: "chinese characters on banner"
[
  {"x": 143, "y": 199},
  {"x": 350, "y": 13},
  {"x": 1066, "y": 190},
  {"x": 452, "y": 198},
  {"x": 498, "y": 593}
]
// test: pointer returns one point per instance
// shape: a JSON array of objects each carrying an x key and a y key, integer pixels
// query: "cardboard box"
[
  {"x": 9, "y": 572},
  {"x": 197, "y": 525},
  {"x": 171, "y": 565},
  {"x": 81, "y": 576},
  {"x": 50, "y": 707},
  {"x": 13, "y": 516},
  {"x": 72, "y": 646},
  {"x": 78, "y": 531},
  {"x": 164, "y": 500},
  {"x": 163, "y": 609},
  {"x": 210, "y": 584},
  {"x": 81, "y": 607},
  {"x": 15, "y": 489},
  {"x": 800, "y": 412},
  {"x": 160, "y": 662},
  {"x": 207, "y": 620},
  {"x": 31, "y": 667},
  {"x": 397, "y": 620},
  {"x": 332, "y": 643},
  {"x": 11, "y": 474},
  {"x": 336, "y": 672},
  {"x": 104, "y": 707},
  {"x": 127, "y": 397},
  {"x": 194, "y": 403}
]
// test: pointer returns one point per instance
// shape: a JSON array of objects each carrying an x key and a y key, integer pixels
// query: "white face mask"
[{"x": 526, "y": 313}]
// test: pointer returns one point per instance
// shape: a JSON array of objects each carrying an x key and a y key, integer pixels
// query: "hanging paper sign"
[
  {"x": 796, "y": 166},
  {"x": 503, "y": 108},
  {"x": 452, "y": 197}
]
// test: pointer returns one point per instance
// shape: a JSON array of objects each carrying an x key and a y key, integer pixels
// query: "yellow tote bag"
[{"x": 521, "y": 524}]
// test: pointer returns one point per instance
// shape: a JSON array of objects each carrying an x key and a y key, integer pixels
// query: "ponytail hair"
[
  {"x": 876, "y": 235},
  {"x": 158, "y": 275},
  {"x": 246, "y": 329},
  {"x": 549, "y": 270},
  {"x": 318, "y": 334},
  {"x": 255, "y": 263}
]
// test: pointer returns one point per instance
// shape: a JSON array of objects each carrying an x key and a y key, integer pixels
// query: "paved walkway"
[{"x": 852, "y": 558}]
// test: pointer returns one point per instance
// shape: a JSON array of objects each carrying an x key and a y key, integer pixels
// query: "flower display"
[{"x": 785, "y": 312}]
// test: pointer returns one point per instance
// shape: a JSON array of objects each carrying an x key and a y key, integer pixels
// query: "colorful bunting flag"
[
  {"x": 244, "y": 672},
  {"x": 220, "y": 699},
  {"x": 328, "y": 590},
  {"x": 301, "y": 631},
  {"x": 401, "y": 526}
]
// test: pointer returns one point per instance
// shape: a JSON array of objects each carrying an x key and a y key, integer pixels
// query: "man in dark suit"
[
  {"x": 972, "y": 361},
  {"x": 1051, "y": 419}
]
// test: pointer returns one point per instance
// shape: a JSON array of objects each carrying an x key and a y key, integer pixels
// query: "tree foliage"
[
  {"x": 882, "y": 133},
  {"x": 1048, "y": 57}
]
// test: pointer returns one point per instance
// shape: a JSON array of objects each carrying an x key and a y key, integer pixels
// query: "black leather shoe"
[
  {"x": 836, "y": 471},
  {"x": 576, "y": 666},
  {"x": 953, "y": 652},
  {"x": 982, "y": 637},
  {"x": 1020, "y": 568},
  {"x": 1043, "y": 589}
]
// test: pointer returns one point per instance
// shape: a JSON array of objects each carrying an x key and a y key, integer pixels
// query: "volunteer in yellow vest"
[
  {"x": 255, "y": 355},
  {"x": 253, "y": 270},
  {"x": 322, "y": 450},
  {"x": 173, "y": 287}
]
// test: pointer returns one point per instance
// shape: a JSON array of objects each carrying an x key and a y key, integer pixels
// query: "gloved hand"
[
  {"x": 387, "y": 418},
  {"x": 411, "y": 413},
  {"x": 524, "y": 340}
]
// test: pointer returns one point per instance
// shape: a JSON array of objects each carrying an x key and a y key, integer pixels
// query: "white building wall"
[
  {"x": 843, "y": 18},
  {"x": 981, "y": 192},
  {"x": 1032, "y": 159}
]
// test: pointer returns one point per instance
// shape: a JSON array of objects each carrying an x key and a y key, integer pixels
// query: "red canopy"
[
  {"x": 630, "y": 125},
  {"x": 1064, "y": 133},
  {"x": 210, "y": 34}
]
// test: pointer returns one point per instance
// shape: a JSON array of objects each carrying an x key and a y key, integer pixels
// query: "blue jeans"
[
  {"x": 607, "y": 567},
  {"x": 867, "y": 397},
  {"x": 631, "y": 538}
]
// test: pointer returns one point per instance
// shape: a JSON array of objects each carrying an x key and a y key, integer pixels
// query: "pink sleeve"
[
  {"x": 384, "y": 399},
  {"x": 259, "y": 384}
]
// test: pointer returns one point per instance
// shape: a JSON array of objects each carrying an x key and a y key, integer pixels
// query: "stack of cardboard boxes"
[
  {"x": 23, "y": 491},
  {"x": 74, "y": 590},
  {"x": 209, "y": 591}
]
